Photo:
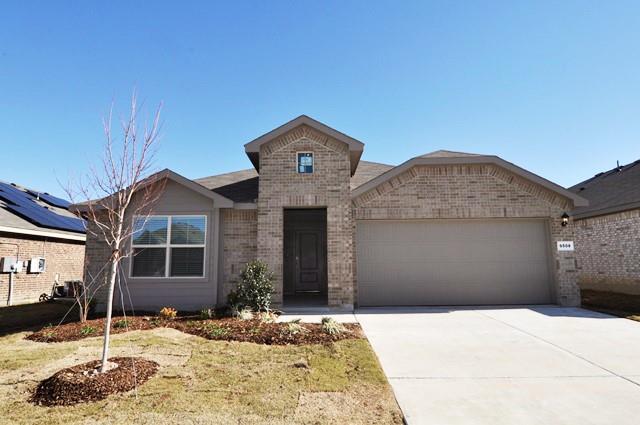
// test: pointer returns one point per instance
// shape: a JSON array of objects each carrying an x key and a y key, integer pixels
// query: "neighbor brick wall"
[
  {"x": 608, "y": 250},
  {"x": 239, "y": 245},
  {"x": 63, "y": 257},
  {"x": 474, "y": 191},
  {"x": 327, "y": 187}
]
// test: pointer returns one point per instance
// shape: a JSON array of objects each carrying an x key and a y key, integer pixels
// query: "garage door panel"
[{"x": 452, "y": 262}]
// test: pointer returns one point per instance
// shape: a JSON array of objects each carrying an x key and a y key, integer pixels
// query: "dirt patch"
[
  {"x": 223, "y": 329},
  {"x": 623, "y": 305},
  {"x": 80, "y": 383}
]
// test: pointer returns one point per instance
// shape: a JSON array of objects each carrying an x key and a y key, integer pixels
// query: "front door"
[{"x": 305, "y": 258}]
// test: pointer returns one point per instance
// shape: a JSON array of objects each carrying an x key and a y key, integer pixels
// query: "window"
[
  {"x": 168, "y": 246},
  {"x": 305, "y": 162}
]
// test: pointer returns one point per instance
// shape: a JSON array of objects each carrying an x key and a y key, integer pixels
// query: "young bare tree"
[{"x": 121, "y": 187}]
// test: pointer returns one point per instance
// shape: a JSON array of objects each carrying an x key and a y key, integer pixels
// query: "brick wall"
[
  {"x": 239, "y": 245},
  {"x": 475, "y": 191},
  {"x": 64, "y": 258},
  {"x": 608, "y": 250},
  {"x": 327, "y": 187}
]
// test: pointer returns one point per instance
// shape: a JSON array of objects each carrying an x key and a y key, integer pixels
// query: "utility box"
[
  {"x": 11, "y": 265},
  {"x": 37, "y": 265}
]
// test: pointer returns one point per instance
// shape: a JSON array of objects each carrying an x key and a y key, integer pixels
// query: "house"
[
  {"x": 445, "y": 228},
  {"x": 608, "y": 230},
  {"x": 41, "y": 243}
]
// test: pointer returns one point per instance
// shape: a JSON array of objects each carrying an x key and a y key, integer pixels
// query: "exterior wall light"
[{"x": 565, "y": 219}]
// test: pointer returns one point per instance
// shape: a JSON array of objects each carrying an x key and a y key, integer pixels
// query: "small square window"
[{"x": 305, "y": 162}]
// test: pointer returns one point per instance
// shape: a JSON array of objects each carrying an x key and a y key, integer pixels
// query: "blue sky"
[{"x": 551, "y": 86}]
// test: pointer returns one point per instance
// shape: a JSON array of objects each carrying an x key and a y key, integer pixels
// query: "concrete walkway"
[{"x": 538, "y": 365}]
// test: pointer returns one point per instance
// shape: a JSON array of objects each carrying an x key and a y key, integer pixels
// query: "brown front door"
[{"x": 305, "y": 246}]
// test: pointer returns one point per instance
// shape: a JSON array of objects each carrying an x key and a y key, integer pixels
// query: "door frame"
[{"x": 303, "y": 219}]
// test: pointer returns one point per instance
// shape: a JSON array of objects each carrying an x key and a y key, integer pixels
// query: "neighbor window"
[
  {"x": 305, "y": 162},
  {"x": 168, "y": 246}
]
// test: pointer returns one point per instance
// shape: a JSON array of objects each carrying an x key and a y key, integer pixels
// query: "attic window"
[{"x": 305, "y": 162}]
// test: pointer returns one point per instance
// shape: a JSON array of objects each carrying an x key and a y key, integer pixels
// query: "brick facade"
[
  {"x": 327, "y": 187},
  {"x": 64, "y": 258},
  {"x": 608, "y": 250},
  {"x": 451, "y": 190},
  {"x": 474, "y": 191},
  {"x": 239, "y": 245}
]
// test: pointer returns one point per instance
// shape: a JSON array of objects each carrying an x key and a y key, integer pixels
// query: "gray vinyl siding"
[{"x": 182, "y": 293}]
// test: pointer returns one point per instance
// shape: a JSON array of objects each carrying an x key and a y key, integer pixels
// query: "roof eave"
[
  {"x": 219, "y": 200},
  {"x": 605, "y": 211}
]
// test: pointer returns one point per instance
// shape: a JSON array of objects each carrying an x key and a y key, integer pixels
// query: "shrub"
[
  {"x": 87, "y": 330},
  {"x": 122, "y": 323},
  {"x": 255, "y": 287},
  {"x": 294, "y": 328},
  {"x": 207, "y": 313},
  {"x": 245, "y": 314},
  {"x": 267, "y": 317},
  {"x": 330, "y": 326},
  {"x": 168, "y": 313}
]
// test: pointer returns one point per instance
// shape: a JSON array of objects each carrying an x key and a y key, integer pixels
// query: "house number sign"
[{"x": 565, "y": 245}]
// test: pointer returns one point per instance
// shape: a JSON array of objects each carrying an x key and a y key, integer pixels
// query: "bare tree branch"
[{"x": 125, "y": 188}]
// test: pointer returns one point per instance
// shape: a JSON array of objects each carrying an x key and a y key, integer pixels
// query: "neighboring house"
[
  {"x": 47, "y": 241},
  {"x": 608, "y": 230},
  {"x": 446, "y": 228}
]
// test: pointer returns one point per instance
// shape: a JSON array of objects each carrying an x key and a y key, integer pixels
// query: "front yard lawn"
[{"x": 202, "y": 381}]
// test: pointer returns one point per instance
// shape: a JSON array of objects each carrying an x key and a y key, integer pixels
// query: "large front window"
[{"x": 168, "y": 246}]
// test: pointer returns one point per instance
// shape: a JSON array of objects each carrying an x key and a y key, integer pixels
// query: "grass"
[
  {"x": 207, "y": 382},
  {"x": 617, "y": 304}
]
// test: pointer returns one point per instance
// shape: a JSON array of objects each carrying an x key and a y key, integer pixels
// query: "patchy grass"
[
  {"x": 207, "y": 382},
  {"x": 617, "y": 304}
]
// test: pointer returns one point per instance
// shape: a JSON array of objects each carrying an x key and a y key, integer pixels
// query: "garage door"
[{"x": 453, "y": 262}]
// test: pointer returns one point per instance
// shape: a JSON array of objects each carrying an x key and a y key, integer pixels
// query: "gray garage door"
[{"x": 453, "y": 262}]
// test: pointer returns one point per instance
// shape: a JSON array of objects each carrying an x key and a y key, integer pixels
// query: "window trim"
[
  {"x": 168, "y": 245},
  {"x": 313, "y": 166}
]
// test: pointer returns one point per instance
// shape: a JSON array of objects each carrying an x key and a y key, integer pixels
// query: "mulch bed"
[
  {"x": 224, "y": 329},
  {"x": 79, "y": 383},
  {"x": 611, "y": 302}
]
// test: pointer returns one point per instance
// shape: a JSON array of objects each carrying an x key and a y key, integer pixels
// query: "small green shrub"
[
  {"x": 121, "y": 324},
  {"x": 87, "y": 330},
  {"x": 295, "y": 328},
  {"x": 254, "y": 289},
  {"x": 330, "y": 326},
  {"x": 207, "y": 313},
  {"x": 215, "y": 331}
]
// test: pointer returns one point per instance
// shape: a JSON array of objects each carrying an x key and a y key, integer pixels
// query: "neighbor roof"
[
  {"x": 242, "y": 186},
  {"x": 611, "y": 191},
  {"x": 355, "y": 146},
  {"x": 442, "y": 157},
  {"x": 31, "y": 212}
]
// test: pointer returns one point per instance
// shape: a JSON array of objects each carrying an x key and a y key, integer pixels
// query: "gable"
[
  {"x": 458, "y": 191},
  {"x": 507, "y": 171},
  {"x": 304, "y": 126}
]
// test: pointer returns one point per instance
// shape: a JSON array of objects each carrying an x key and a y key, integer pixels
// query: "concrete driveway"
[{"x": 538, "y": 365}]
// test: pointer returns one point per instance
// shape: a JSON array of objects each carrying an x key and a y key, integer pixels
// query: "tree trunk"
[{"x": 113, "y": 270}]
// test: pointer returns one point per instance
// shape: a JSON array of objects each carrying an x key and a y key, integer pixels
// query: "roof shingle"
[{"x": 611, "y": 191}]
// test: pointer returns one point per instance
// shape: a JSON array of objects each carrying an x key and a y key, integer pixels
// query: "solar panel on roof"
[
  {"x": 50, "y": 199},
  {"x": 24, "y": 205}
]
